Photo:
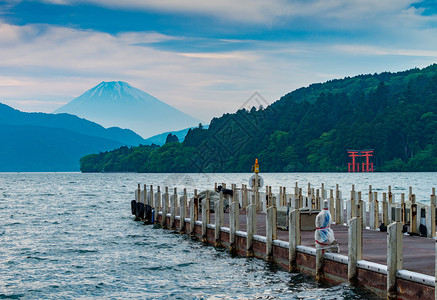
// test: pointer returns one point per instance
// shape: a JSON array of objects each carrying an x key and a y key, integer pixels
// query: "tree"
[{"x": 171, "y": 138}]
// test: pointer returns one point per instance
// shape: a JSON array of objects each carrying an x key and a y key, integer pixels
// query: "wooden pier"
[{"x": 280, "y": 228}]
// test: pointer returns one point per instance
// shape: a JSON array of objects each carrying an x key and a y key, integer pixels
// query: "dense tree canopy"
[{"x": 309, "y": 129}]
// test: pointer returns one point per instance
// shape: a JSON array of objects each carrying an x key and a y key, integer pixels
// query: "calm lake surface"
[{"x": 71, "y": 236}]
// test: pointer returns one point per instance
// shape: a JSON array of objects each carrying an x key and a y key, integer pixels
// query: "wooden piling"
[
  {"x": 174, "y": 201},
  {"x": 205, "y": 218},
  {"x": 196, "y": 205},
  {"x": 245, "y": 198},
  {"x": 371, "y": 209},
  {"x": 331, "y": 204},
  {"x": 269, "y": 233},
  {"x": 384, "y": 209},
  {"x": 435, "y": 273},
  {"x": 232, "y": 228},
  {"x": 375, "y": 210},
  {"x": 361, "y": 211},
  {"x": 235, "y": 198},
  {"x": 138, "y": 193},
  {"x": 319, "y": 264},
  {"x": 253, "y": 216},
  {"x": 284, "y": 197},
  {"x": 338, "y": 211},
  {"x": 430, "y": 216},
  {"x": 403, "y": 209},
  {"x": 249, "y": 230},
  {"x": 158, "y": 199},
  {"x": 221, "y": 214},
  {"x": 355, "y": 247},
  {"x": 300, "y": 198},
  {"x": 219, "y": 219},
  {"x": 413, "y": 214},
  {"x": 152, "y": 203},
  {"x": 394, "y": 257},
  {"x": 353, "y": 208},
  {"x": 192, "y": 216},
  {"x": 183, "y": 211},
  {"x": 165, "y": 208},
  {"x": 294, "y": 238}
]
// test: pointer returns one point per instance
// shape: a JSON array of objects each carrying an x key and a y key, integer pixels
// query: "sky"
[{"x": 205, "y": 58}]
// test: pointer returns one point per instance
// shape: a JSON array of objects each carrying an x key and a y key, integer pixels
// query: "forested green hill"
[{"x": 309, "y": 129}]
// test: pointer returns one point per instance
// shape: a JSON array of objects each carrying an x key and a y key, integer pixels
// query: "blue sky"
[{"x": 204, "y": 57}]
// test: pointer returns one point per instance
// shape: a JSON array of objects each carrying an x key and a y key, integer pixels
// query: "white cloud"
[
  {"x": 55, "y": 64},
  {"x": 271, "y": 12}
]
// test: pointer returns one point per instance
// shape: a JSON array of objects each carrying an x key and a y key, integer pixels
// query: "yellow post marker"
[{"x": 256, "y": 166}]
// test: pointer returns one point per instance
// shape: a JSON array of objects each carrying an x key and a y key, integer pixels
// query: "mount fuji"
[{"x": 117, "y": 103}]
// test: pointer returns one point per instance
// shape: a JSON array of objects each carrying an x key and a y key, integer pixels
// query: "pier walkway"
[{"x": 418, "y": 252}]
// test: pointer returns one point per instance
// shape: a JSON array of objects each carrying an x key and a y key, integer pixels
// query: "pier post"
[
  {"x": 403, "y": 209},
  {"x": 158, "y": 200},
  {"x": 275, "y": 220},
  {"x": 192, "y": 216},
  {"x": 138, "y": 193},
  {"x": 331, "y": 203},
  {"x": 319, "y": 264},
  {"x": 249, "y": 226},
  {"x": 413, "y": 214},
  {"x": 323, "y": 195},
  {"x": 221, "y": 209},
  {"x": 338, "y": 210},
  {"x": 296, "y": 196},
  {"x": 232, "y": 227},
  {"x": 394, "y": 257},
  {"x": 294, "y": 238},
  {"x": 218, "y": 212},
  {"x": 145, "y": 194},
  {"x": 196, "y": 205},
  {"x": 300, "y": 198},
  {"x": 152, "y": 203},
  {"x": 183, "y": 211},
  {"x": 390, "y": 202},
  {"x": 371, "y": 209},
  {"x": 174, "y": 201},
  {"x": 235, "y": 198},
  {"x": 435, "y": 272},
  {"x": 205, "y": 219},
  {"x": 375, "y": 211},
  {"x": 430, "y": 216},
  {"x": 164, "y": 208},
  {"x": 361, "y": 210},
  {"x": 355, "y": 247},
  {"x": 353, "y": 207},
  {"x": 284, "y": 197},
  {"x": 384, "y": 209},
  {"x": 208, "y": 208},
  {"x": 245, "y": 197},
  {"x": 313, "y": 199},
  {"x": 269, "y": 233}
]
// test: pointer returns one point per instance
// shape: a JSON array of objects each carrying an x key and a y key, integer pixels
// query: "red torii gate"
[{"x": 365, "y": 167}]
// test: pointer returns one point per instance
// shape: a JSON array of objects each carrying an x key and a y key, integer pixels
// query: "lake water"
[{"x": 71, "y": 236}]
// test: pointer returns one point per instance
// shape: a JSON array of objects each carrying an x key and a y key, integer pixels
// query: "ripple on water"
[{"x": 62, "y": 240}]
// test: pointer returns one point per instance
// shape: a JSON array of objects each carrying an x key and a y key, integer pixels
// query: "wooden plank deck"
[{"x": 418, "y": 252}]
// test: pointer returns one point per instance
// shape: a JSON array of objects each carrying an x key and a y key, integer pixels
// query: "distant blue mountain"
[
  {"x": 53, "y": 142},
  {"x": 117, "y": 103},
  {"x": 159, "y": 139},
  {"x": 27, "y": 148}
]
